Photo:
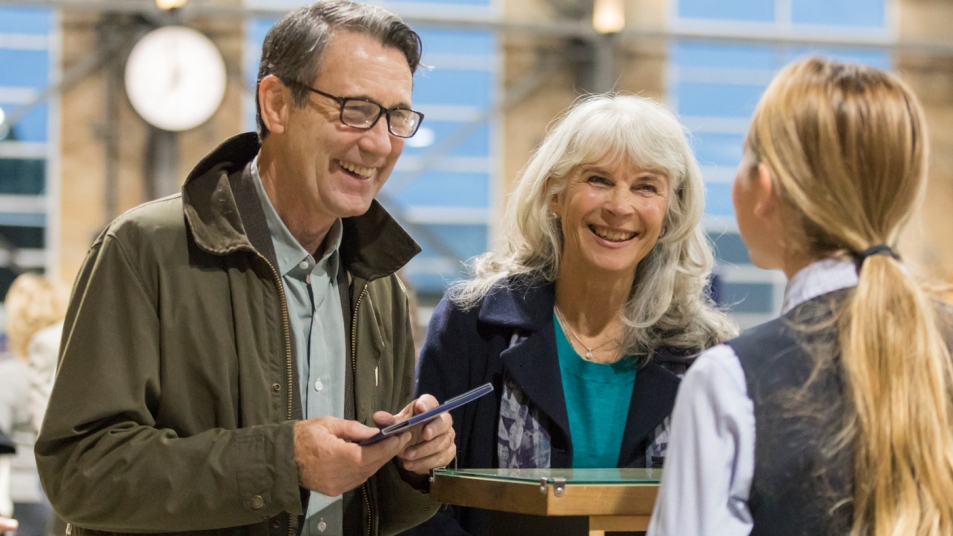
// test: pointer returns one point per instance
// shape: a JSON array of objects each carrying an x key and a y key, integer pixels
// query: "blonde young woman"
[
  {"x": 35, "y": 308},
  {"x": 589, "y": 310},
  {"x": 835, "y": 418}
]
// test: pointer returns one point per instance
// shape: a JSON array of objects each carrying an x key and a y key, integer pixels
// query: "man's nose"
[{"x": 377, "y": 140}]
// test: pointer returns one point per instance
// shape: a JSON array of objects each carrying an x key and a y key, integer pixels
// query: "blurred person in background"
[
  {"x": 589, "y": 311},
  {"x": 835, "y": 418},
  {"x": 35, "y": 308},
  {"x": 7, "y": 449},
  {"x": 227, "y": 348}
]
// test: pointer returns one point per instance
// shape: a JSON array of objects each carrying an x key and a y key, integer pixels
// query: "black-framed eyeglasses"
[{"x": 364, "y": 114}]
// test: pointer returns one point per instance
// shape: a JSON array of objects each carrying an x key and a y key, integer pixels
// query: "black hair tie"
[{"x": 879, "y": 249}]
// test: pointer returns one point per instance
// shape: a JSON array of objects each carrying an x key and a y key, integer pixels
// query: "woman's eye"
[
  {"x": 596, "y": 179},
  {"x": 647, "y": 187}
]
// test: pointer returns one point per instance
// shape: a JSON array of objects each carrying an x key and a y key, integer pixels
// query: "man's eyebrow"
[{"x": 365, "y": 97}]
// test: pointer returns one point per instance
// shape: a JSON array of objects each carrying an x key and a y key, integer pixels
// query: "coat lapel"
[
  {"x": 653, "y": 397},
  {"x": 532, "y": 362}
]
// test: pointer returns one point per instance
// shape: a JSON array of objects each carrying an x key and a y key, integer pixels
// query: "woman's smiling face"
[{"x": 611, "y": 213}]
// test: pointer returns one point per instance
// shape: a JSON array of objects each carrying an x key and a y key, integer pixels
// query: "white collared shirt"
[{"x": 710, "y": 462}]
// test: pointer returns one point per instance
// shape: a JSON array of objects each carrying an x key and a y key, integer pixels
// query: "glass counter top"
[{"x": 571, "y": 476}]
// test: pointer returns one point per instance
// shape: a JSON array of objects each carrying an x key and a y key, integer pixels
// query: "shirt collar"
[
  {"x": 817, "y": 279},
  {"x": 292, "y": 257}
]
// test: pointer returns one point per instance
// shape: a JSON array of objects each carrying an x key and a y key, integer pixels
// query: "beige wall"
[
  {"x": 928, "y": 244},
  {"x": 83, "y": 154}
]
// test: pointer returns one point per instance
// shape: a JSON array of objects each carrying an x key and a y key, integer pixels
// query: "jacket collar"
[
  {"x": 533, "y": 363},
  {"x": 222, "y": 221}
]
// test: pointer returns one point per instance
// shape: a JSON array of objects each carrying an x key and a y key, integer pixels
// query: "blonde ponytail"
[
  {"x": 847, "y": 149},
  {"x": 899, "y": 374}
]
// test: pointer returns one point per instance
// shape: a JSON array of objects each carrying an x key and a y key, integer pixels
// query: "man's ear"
[
  {"x": 767, "y": 203},
  {"x": 274, "y": 97}
]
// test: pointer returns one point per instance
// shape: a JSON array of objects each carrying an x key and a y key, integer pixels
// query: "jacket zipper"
[
  {"x": 286, "y": 334},
  {"x": 357, "y": 305}
]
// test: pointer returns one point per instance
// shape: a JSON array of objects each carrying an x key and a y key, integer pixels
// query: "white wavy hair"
[{"x": 668, "y": 304}]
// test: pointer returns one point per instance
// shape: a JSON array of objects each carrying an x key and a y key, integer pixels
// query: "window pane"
[
  {"x": 747, "y": 10},
  {"x": 748, "y": 297},
  {"x": 439, "y": 188},
  {"x": 730, "y": 248},
  {"x": 24, "y": 237},
  {"x": 861, "y": 13},
  {"x": 22, "y": 176},
  {"x": 715, "y": 55},
  {"x": 25, "y": 20},
  {"x": 718, "y": 100},
  {"x": 718, "y": 149}
]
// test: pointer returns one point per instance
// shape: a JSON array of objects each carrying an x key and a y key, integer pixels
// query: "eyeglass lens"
[{"x": 361, "y": 114}]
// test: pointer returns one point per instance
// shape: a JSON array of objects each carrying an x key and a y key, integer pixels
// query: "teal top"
[{"x": 597, "y": 401}]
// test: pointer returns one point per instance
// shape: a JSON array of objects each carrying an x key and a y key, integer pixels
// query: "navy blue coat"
[{"x": 465, "y": 349}]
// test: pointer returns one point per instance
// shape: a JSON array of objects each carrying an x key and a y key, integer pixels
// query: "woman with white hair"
[{"x": 588, "y": 311}]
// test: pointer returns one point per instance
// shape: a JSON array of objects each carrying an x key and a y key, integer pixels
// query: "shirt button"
[
  {"x": 322, "y": 526},
  {"x": 318, "y": 385},
  {"x": 257, "y": 502},
  {"x": 304, "y": 265}
]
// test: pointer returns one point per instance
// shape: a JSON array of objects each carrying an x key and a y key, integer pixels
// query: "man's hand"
[
  {"x": 431, "y": 445},
  {"x": 329, "y": 459}
]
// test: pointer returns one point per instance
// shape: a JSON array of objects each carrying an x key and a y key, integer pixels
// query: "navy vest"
[
  {"x": 792, "y": 368},
  {"x": 798, "y": 486}
]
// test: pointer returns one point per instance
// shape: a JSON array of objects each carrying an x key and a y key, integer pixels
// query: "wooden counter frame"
[{"x": 610, "y": 507}]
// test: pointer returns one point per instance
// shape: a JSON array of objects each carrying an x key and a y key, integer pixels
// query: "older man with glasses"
[{"x": 227, "y": 349}]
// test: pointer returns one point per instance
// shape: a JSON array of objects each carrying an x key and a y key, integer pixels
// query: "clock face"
[{"x": 175, "y": 78}]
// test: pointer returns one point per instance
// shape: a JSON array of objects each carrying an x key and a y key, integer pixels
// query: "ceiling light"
[
  {"x": 608, "y": 16},
  {"x": 170, "y": 4}
]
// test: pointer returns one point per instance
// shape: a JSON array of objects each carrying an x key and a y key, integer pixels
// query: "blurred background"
[{"x": 75, "y": 152}]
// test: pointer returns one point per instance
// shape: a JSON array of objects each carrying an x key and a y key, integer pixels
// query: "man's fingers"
[
  {"x": 349, "y": 430},
  {"x": 441, "y": 425},
  {"x": 382, "y": 418},
  {"x": 424, "y": 404},
  {"x": 441, "y": 457},
  {"x": 427, "y": 448},
  {"x": 380, "y": 453}
]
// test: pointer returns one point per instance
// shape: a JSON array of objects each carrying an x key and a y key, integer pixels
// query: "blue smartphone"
[{"x": 428, "y": 416}]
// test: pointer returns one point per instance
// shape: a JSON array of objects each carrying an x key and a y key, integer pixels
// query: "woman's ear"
[
  {"x": 767, "y": 202},
  {"x": 274, "y": 97},
  {"x": 555, "y": 202}
]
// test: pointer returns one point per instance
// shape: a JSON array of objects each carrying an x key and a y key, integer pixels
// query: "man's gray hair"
[
  {"x": 668, "y": 303},
  {"x": 294, "y": 46}
]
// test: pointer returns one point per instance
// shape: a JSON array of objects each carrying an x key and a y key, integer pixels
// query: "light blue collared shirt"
[
  {"x": 317, "y": 333},
  {"x": 710, "y": 463}
]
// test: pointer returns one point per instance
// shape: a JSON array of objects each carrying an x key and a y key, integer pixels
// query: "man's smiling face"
[{"x": 339, "y": 169}]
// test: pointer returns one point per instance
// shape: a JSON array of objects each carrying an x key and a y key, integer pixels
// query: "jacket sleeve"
[
  {"x": 104, "y": 462},
  {"x": 401, "y": 505}
]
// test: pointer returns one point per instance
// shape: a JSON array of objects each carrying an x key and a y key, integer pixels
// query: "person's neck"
[
  {"x": 592, "y": 302},
  {"x": 795, "y": 263},
  {"x": 305, "y": 224}
]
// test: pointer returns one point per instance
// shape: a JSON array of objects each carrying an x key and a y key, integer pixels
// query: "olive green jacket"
[{"x": 176, "y": 397}]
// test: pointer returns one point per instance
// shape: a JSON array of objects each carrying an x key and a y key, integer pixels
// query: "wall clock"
[{"x": 175, "y": 78}]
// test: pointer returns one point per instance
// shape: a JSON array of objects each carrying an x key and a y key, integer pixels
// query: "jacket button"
[
  {"x": 257, "y": 502},
  {"x": 276, "y": 387},
  {"x": 276, "y": 523}
]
